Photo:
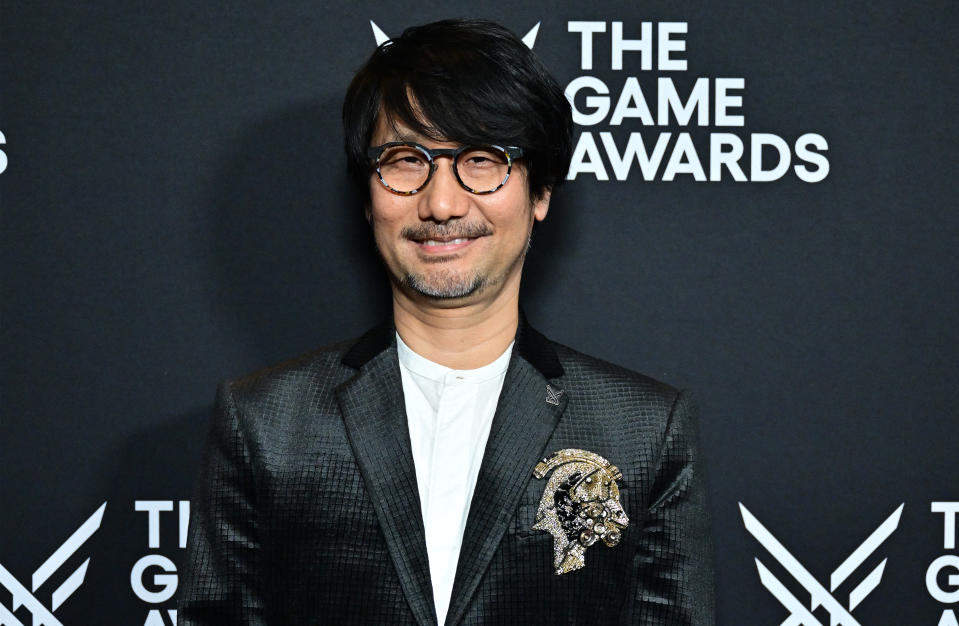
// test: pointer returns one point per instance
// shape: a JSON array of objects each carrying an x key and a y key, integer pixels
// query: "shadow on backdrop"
[
  {"x": 294, "y": 262},
  {"x": 157, "y": 463}
]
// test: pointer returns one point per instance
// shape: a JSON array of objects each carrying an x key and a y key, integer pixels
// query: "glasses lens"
[
  {"x": 404, "y": 168},
  {"x": 482, "y": 169}
]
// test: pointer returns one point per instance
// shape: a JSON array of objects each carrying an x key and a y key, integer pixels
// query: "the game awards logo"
[
  {"x": 43, "y": 615},
  {"x": 820, "y": 596},
  {"x": 640, "y": 115}
]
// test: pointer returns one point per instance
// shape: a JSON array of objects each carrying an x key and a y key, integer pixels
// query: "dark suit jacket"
[{"x": 308, "y": 511}]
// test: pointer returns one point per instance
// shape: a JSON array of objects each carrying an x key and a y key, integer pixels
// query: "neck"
[{"x": 462, "y": 337}]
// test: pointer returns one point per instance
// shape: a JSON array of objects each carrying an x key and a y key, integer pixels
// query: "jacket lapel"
[
  {"x": 375, "y": 417},
  {"x": 525, "y": 418}
]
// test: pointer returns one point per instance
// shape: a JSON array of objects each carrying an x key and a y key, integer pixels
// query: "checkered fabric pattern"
[{"x": 307, "y": 510}]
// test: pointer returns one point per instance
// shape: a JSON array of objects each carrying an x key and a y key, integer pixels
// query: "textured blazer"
[{"x": 308, "y": 511}]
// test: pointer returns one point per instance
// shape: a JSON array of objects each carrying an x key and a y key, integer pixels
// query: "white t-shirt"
[{"x": 449, "y": 414}]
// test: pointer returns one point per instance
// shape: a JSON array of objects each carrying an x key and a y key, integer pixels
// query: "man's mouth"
[
  {"x": 443, "y": 244},
  {"x": 442, "y": 239}
]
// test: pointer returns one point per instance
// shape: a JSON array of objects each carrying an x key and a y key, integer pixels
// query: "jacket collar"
[
  {"x": 530, "y": 405},
  {"x": 530, "y": 344}
]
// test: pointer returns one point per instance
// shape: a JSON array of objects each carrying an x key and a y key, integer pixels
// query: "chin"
[{"x": 446, "y": 285}]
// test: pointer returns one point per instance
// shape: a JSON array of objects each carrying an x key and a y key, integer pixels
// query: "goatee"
[{"x": 444, "y": 284}]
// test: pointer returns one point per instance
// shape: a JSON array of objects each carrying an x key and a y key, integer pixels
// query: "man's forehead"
[{"x": 389, "y": 128}]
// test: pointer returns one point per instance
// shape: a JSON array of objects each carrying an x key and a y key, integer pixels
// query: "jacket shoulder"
[
  {"x": 299, "y": 381},
  {"x": 609, "y": 383}
]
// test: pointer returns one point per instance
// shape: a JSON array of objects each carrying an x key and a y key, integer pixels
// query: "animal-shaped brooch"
[{"x": 580, "y": 505}]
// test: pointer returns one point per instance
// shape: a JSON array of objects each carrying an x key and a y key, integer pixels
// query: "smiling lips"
[{"x": 443, "y": 245}]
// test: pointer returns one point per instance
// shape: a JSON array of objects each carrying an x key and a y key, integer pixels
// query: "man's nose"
[{"x": 443, "y": 198}]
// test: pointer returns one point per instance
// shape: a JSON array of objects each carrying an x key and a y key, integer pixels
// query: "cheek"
[
  {"x": 387, "y": 221},
  {"x": 384, "y": 232},
  {"x": 385, "y": 209},
  {"x": 386, "y": 228},
  {"x": 512, "y": 217}
]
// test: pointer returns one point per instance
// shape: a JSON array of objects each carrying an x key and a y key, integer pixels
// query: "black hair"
[{"x": 468, "y": 81}]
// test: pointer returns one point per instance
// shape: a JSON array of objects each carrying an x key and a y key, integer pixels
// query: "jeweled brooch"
[{"x": 580, "y": 505}]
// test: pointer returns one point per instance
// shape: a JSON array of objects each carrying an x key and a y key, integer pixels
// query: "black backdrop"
[{"x": 175, "y": 212}]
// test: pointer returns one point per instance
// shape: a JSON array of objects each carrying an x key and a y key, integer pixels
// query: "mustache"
[{"x": 447, "y": 230}]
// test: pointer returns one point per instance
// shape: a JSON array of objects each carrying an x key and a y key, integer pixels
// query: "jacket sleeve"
[
  {"x": 222, "y": 583},
  {"x": 675, "y": 581}
]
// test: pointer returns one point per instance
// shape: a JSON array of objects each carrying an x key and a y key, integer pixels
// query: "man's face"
[{"x": 445, "y": 243}]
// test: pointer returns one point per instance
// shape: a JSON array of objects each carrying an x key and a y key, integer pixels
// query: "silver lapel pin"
[{"x": 552, "y": 395}]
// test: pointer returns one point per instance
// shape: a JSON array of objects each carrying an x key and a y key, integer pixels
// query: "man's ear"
[{"x": 541, "y": 205}]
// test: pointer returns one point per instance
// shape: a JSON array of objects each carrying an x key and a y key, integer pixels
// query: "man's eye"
[
  {"x": 482, "y": 158},
  {"x": 403, "y": 158}
]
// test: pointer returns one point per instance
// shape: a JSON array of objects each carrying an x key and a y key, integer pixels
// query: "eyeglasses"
[{"x": 405, "y": 167}]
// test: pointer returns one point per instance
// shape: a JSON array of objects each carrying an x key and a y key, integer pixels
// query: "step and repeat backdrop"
[{"x": 761, "y": 208}]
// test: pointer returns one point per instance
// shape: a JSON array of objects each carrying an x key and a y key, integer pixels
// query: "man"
[{"x": 453, "y": 465}]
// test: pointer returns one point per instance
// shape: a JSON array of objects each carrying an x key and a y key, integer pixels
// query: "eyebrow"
[
  {"x": 411, "y": 136},
  {"x": 406, "y": 137}
]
